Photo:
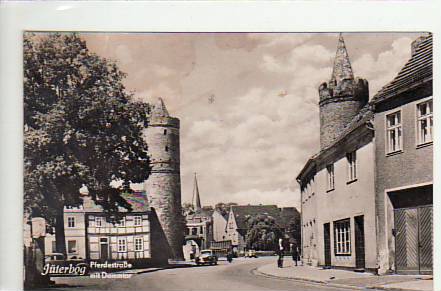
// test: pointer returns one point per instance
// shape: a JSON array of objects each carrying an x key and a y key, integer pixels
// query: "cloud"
[
  {"x": 270, "y": 40},
  {"x": 382, "y": 68},
  {"x": 249, "y": 144}
]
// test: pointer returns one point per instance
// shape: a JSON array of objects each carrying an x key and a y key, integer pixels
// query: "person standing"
[
  {"x": 280, "y": 253},
  {"x": 295, "y": 253}
]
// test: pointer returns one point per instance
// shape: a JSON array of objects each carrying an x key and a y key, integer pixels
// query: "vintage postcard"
[{"x": 228, "y": 161}]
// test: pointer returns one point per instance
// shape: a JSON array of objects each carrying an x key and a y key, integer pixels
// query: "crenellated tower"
[
  {"x": 163, "y": 187},
  {"x": 341, "y": 98}
]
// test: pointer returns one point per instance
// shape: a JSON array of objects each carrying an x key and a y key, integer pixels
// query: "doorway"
[
  {"x": 413, "y": 240},
  {"x": 104, "y": 248},
  {"x": 360, "y": 262},
  {"x": 327, "y": 243}
]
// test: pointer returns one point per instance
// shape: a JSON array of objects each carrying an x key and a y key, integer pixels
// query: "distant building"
[
  {"x": 404, "y": 162},
  {"x": 137, "y": 237},
  {"x": 199, "y": 221},
  {"x": 337, "y": 184},
  {"x": 219, "y": 225}
]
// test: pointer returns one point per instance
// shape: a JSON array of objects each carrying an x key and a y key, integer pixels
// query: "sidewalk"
[{"x": 343, "y": 278}]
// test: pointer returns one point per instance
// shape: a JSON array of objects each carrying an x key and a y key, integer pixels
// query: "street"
[{"x": 239, "y": 275}]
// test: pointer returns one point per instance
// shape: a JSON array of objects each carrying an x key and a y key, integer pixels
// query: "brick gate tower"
[
  {"x": 163, "y": 187},
  {"x": 341, "y": 98}
]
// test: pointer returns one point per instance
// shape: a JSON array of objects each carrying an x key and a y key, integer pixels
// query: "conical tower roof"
[
  {"x": 159, "y": 109},
  {"x": 342, "y": 66},
  {"x": 196, "y": 198}
]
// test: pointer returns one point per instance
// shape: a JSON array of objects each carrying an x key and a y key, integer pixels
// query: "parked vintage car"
[
  {"x": 251, "y": 254},
  {"x": 206, "y": 257}
]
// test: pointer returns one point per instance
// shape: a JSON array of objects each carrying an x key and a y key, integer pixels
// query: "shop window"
[{"x": 342, "y": 237}]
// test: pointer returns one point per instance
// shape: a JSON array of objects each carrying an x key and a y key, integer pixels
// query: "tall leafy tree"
[
  {"x": 263, "y": 232},
  {"x": 80, "y": 129}
]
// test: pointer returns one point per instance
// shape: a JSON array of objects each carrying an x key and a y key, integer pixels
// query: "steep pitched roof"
[
  {"x": 242, "y": 212},
  {"x": 418, "y": 69},
  {"x": 342, "y": 66},
  {"x": 137, "y": 199}
]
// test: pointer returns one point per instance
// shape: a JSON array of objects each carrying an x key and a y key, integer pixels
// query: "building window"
[
  {"x": 393, "y": 132},
  {"x": 352, "y": 166},
  {"x": 54, "y": 246},
  {"x": 71, "y": 246},
  {"x": 165, "y": 131},
  {"x": 121, "y": 223},
  {"x": 122, "y": 245},
  {"x": 71, "y": 222},
  {"x": 194, "y": 231},
  {"x": 137, "y": 220},
  {"x": 166, "y": 148},
  {"x": 342, "y": 237},
  {"x": 138, "y": 244},
  {"x": 330, "y": 175},
  {"x": 98, "y": 221},
  {"x": 425, "y": 122},
  {"x": 201, "y": 230}
]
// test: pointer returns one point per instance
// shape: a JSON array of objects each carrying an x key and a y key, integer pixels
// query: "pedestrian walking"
[
  {"x": 280, "y": 254},
  {"x": 295, "y": 253},
  {"x": 230, "y": 257}
]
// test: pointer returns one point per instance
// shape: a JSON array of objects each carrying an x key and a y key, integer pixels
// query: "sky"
[{"x": 248, "y": 103}]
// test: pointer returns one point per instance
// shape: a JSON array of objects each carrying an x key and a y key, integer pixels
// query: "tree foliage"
[
  {"x": 80, "y": 128},
  {"x": 263, "y": 232}
]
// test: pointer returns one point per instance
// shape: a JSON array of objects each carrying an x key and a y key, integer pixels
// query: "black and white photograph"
[{"x": 228, "y": 160}]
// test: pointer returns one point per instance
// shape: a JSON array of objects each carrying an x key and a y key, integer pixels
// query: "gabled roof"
[
  {"x": 242, "y": 212},
  {"x": 418, "y": 69},
  {"x": 137, "y": 199},
  {"x": 222, "y": 213}
]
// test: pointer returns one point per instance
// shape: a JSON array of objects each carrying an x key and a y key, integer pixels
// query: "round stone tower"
[
  {"x": 163, "y": 187},
  {"x": 341, "y": 98}
]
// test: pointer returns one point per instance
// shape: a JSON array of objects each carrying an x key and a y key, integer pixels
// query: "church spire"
[
  {"x": 342, "y": 66},
  {"x": 196, "y": 200}
]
